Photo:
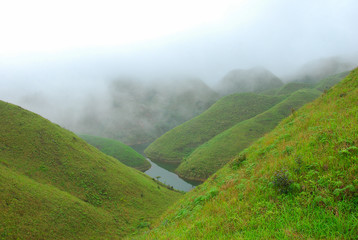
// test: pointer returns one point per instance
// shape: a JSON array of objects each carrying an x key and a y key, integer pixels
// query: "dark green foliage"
[{"x": 281, "y": 182}]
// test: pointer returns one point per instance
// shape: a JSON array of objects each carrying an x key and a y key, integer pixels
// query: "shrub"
[{"x": 281, "y": 182}]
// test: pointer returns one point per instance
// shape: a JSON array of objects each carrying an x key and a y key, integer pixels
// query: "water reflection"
[{"x": 169, "y": 178}]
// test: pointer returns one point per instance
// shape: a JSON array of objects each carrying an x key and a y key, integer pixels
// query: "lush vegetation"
[
  {"x": 211, "y": 156},
  {"x": 204, "y": 144},
  {"x": 179, "y": 142},
  {"x": 118, "y": 150},
  {"x": 329, "y": 81},
  {"x": 53, "y": 185},
  {"x": 297, "y": 182}
]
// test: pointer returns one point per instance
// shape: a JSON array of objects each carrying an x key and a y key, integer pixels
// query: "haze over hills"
[
  {"x": 137, "y": 113},
  {"x": 298, "y": 181},
  {"x": 56, "y": 186},
  {"x": 256, "y": 79}
]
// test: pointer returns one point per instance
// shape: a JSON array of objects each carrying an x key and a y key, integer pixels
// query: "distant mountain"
[
  {"x": 138, "y": 113},
  {"x": 248, "y": 80},
  {"x": 54, "y": 185},
  {"x": 314, "y": 71}
]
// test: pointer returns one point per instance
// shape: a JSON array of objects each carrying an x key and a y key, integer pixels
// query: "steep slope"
[
  {"x": 297, "y": 182},
  {"x": 248, "y": 80},
  {"x": 120, "y": 151},
  {"x": 211, "y": 156},
  {"x": 56, "y": 186},
  {"x": 179, "y": 142},
  {"x": 328, "y": 82}
]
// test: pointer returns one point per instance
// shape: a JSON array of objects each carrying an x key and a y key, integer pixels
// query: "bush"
[{"x": 281, "y": 182}]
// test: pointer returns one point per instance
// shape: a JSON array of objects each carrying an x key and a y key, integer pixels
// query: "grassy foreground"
[
  {"x": 118, "y": 150},
  {"x": 297, "y": 182},
  {"x": 53, "y": 185}
]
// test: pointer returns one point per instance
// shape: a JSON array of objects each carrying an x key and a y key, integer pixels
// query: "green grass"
[
  {"x": 328, "y": 82},
  {"x": 297, "y": 182},
  {"x": 120, "y": 151},
  {"x": 53, "y": 185},
  {"x": 211, "y": 156},
  {"x": 293, "y": 87},
  {"x": 179, "y": 142}
]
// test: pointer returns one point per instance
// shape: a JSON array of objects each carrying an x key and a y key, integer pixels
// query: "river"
[{"x": 169, "y": 178}]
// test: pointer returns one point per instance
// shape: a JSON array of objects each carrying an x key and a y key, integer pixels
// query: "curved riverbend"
[{"x": 169, "y": 178}]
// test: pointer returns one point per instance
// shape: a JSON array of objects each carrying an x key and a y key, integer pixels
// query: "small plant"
[
  {"x": 235, "y": 164},
  {"x": 281, "y": 182},
  {"x": 299, "y": 164}
]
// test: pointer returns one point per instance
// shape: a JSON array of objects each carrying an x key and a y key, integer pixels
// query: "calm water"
[{"x": 169, "y": 178}]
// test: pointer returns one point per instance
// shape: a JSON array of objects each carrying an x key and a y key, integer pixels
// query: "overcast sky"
[{"x": 71, "y": 43}]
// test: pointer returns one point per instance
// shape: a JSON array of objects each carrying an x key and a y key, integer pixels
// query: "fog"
[{"x": 62, "y": 59}]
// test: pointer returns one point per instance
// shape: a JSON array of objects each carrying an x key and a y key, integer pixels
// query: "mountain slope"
[
  {"x": 118, "y": 150},
  {"x": 297, "y": 182},
  {"x": 248, "y": 80},
  {"x": 211, "y": 156},
  {"x": 179, "y": 142},
  {"x": 138, "y": 112},
  {"x": 60, "y": 187}
]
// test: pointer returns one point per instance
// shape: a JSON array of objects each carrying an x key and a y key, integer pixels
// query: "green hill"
[
  {"x": 211, "y": 156},
  {"x": 53, "y": 185},
  {"x": 256, "y": 79},
  {"x": 292, "y": 87},
  {"x": 328, "y": 82},
  {"x": 297, "y": 182},
  {"x": 120, "y": 151},
  {"x": 179, "y": 142}
]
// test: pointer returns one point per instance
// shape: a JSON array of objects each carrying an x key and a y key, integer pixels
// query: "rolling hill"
[
  {"x": 179, "y": 142},
  {"x": 56, "y": 186},
  {"x": 120, "y": 151},
  {"x": 256, "y": 79},
  {"x": 297, "y": 182},
  {"x": 211, "y": 156}
]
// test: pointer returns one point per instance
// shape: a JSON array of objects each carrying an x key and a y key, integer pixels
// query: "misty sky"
[{"x": 57, "y": 48}]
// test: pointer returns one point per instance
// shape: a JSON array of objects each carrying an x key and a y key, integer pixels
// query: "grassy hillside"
[
  {"x": 211, "y": 156},
  {"x": 297, "y": 182},
  {"x": 56, "y": 186},
  {"x": 292, "y": 87},
  {"x": 328, "y": 82},
  {"x": 179, "y": 142},
  {"x": 118, "y": 150}
]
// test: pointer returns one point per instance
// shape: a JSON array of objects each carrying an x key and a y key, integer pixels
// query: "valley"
[{"x": 178, "y": 120}]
